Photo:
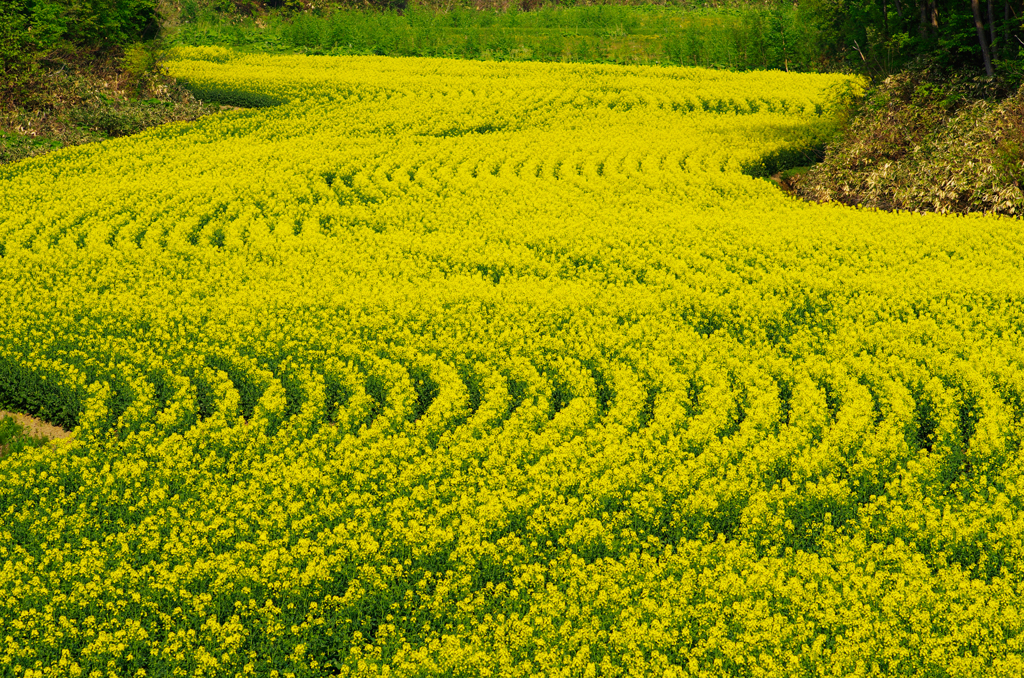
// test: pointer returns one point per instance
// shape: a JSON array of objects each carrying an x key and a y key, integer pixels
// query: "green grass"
[
  {"x": 736, "y": 38},
  {"x": 795, "y": 172},
  {"x": 15, "y": 146}
]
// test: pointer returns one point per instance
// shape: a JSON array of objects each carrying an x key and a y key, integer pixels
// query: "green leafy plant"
[{"x": 139, "y": 59}]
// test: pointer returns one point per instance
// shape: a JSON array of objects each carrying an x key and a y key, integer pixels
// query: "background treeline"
[{"x": 882, "y": 36}]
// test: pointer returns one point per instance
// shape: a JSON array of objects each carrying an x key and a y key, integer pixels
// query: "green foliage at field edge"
[{"x": 743, "y": 37}]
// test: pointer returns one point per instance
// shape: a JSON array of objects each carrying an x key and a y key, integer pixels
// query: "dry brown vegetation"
[
  {"x": 925, "y": 143},
  {"x": 84, "y": 100}
]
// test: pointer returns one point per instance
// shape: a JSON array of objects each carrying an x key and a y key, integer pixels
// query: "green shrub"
[
  {"x": 28, "y": 30},
  {"x": 139, "y": 59},
  {"x": 34, "y": 30}
]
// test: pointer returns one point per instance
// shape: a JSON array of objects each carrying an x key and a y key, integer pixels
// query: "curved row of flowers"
[{"x": 460, "y": 368}]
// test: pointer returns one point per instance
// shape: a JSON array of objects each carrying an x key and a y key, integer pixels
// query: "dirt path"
[{"x": 36, "y": 427}]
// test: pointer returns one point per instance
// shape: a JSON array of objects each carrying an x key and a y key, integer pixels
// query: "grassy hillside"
[{"x": 78, "y": 100}]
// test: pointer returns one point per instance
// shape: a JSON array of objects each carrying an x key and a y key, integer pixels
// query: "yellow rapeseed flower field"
[{"x": 441, "y": 368}]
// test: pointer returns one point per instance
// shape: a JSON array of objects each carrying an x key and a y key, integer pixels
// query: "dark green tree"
[{"x": 879, "y": 37}]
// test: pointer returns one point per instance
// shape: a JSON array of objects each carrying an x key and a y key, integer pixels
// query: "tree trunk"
[
  {"x": 929, "y": 17},
  {"x": 993, "y": 43},
  {"x": 899, "y": 9},
  {"x": 980, "y": 26},
  {"x": 1008, "y": 52}
]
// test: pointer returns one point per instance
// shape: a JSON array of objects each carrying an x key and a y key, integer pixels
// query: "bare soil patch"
[{"x": 36, "y": 427}]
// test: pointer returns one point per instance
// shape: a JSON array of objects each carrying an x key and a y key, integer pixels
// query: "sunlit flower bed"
[{"x": 441, "y": 368}]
